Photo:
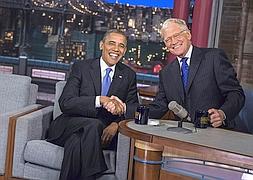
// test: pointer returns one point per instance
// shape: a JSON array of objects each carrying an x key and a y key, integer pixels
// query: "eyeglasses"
[{"x": 176, "y": 36}]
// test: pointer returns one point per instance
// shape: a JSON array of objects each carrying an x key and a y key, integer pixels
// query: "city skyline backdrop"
[{"x": 42, "y": 32}]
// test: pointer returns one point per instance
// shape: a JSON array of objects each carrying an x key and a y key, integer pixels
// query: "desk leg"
[
  {"x": 131, "y": 159},
  {"x": 147, "y": 161}
]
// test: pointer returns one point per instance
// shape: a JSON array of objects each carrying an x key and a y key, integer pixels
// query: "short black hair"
[{"x": 113, "y": 31}]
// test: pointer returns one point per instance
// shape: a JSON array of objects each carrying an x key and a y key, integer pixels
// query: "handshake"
[{"x": 113, "y": 105}]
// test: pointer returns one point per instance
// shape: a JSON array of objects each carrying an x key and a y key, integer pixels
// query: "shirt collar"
[
  {"x": 188, "y": 54},
  {"x": 104, "y": 66}
]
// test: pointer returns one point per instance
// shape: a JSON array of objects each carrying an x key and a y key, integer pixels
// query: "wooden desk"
[
  {"x": 149, "y": 91},
  {"x": 224, "y": 149},
  {"x": 147, "y": 94}
]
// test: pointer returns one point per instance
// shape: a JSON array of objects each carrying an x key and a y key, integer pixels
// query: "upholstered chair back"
[
  {"x": 33, "y": 94},
  {"x": 58, "y": 91},
  {"x": 246, "y": 113},
  {"x": 14, "y": 92}
]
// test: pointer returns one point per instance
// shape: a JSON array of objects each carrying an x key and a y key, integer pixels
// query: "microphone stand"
[
  {"x": 180, "y": 128},
  {"x": 180, "y": 124}
]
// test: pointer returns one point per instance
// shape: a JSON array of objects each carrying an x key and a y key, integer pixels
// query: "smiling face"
[
  {"x": 113, "y": 48},
  {"x": 176, "y": 39}
]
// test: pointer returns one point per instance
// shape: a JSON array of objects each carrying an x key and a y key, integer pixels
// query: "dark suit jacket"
[
  {"x": 212, "y": 83},
  {"x": 81, "y": 89}
]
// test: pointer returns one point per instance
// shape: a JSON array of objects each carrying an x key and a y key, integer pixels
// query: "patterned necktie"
[
  {"x": 106, "y": 82},
  {"x": 184, "y": 71}
]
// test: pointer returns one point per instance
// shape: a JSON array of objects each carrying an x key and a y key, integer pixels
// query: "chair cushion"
[
  {"x": 51, "y": 155},
  {"x": 33, "y": 171}
]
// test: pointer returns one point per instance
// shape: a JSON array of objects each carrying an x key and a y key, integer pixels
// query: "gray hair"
[
  {"x": 180, "y": 22},
  {"x": 114, "y": 31}
]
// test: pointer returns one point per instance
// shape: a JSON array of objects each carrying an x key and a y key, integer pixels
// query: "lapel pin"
[{"x": 120, "y": 76}]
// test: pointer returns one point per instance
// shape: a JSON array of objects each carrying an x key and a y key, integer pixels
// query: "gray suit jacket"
[{"x": 212, "y": 83}]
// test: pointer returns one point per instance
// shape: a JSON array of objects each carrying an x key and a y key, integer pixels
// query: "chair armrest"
[
  {"x": 25, "y": 128},
  {"x": 5, "y": 130},
  {"x": 33, "y": 125}
]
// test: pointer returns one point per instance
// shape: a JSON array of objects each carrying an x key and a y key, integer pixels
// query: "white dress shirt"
[
  {"x": 103, "y": 67},
  {"x": 188, "y": 55}
]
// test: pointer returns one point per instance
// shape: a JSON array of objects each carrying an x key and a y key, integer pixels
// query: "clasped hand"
[{"x": 113, "y": 105}]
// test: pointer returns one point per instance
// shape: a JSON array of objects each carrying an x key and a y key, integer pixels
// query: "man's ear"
[
  {"x": 100, "y": 45},
  {"x": 189, "y": 36},
  {"x": 125, "y": 50}
]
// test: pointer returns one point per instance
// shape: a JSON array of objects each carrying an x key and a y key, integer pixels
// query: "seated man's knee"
[{"x": 96, "y": 123}]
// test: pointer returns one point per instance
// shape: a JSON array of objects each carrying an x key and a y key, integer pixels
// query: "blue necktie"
[
  {"x": 184, "y": 71},
  {"x": 106, "y": 82}
]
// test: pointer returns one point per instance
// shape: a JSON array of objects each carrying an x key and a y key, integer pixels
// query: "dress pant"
[{"x": 83, "y": 157}]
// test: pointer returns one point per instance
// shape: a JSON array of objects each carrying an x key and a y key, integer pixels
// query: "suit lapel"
[
  {"x": 96, "y": 76},
  {"x": 176, "y": 75},
  {"x": 117, "y": 79},
  {"x": 195, "y": 62}
]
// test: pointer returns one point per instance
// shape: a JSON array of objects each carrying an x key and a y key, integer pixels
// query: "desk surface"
[{"x": 225, "y": 140}]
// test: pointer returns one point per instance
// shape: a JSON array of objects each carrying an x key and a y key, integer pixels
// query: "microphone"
[{"x": 179, "y": 111}]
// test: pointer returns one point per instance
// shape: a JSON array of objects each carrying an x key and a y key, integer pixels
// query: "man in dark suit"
[
  {"x": 92, "y": 109},
  {"x": 198, "y": 79}
]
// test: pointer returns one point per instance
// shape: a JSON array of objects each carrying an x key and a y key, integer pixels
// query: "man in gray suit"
[
  {"x": 198, "y": 79},
  {"x": 98, "y": 94}
]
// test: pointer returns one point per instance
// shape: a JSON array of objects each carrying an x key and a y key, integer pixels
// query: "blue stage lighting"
[{"x": 150, "y": 3}]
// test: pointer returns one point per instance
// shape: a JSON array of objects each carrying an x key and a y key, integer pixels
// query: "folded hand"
[{"x": 216, "y": 117}]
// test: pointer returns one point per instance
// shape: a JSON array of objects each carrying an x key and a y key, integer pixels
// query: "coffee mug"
[
  {"x": 141, "y": 114},
  {"x": 201, "y": 119}
]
